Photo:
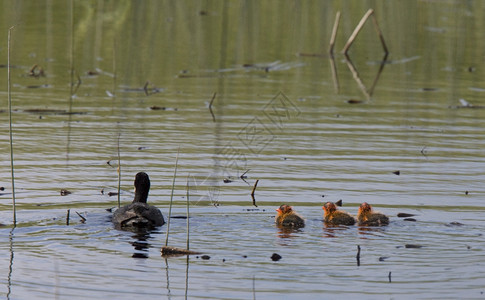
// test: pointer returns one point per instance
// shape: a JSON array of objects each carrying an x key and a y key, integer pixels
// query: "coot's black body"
[{"x": 139, "y": 214}]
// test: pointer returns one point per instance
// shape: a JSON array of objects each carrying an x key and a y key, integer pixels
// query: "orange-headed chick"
[
  {"x": 288, "y": 218},
  {"x": 332, "y": 216},
  {"x": 367, "y": 217}
]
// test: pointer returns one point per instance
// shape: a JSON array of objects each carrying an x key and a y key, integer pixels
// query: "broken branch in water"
[
  {"x": 210, "y": 107},
  {"x": 173, "y": 251},
  {"x": 67, "y": 217},
  {"x": 379, "y": 33},
  {"x": 83, "y": 219},
  {"x": 252, "y": 193},
  {"x": 358, "y": 28},
  {"x": 40, "y": 71},
  {"x": 254, "y": 187},
  {"x": 334, "y": 33}
]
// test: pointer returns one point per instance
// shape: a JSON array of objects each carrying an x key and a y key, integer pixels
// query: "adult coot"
[{"x": 139, "y": 214}]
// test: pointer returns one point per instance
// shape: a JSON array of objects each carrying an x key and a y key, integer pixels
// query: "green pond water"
[{"x": 243, "y": 88}]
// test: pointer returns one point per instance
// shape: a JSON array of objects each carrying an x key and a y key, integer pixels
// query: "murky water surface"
[{"x": 145, "y": 79}]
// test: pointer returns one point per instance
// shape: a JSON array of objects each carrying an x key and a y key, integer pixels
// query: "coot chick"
[
  {"x": 288, "y": 218},
  {"x": 367, "y": 217},
  {"x": 332, "y": 216},
  {"x": 139, "y": 214}
]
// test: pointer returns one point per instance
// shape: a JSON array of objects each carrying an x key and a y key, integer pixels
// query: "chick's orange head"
[
  {"x": 329, "y": 207},
  {"x": 365, "y": 208},
  {"x": 283, "y": 209}
]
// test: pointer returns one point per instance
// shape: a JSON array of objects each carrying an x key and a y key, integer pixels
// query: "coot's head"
[{"x": 142, "y": 187}]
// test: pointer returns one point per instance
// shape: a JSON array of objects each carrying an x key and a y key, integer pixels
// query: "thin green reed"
[
  {"x": 188, "y": 228},
  {"x": 9, "y": 92},
  {"x": 171, "y": 198},
  {"x": 119, "y": 172}
]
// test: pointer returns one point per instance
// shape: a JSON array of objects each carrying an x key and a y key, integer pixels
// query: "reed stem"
[
  {"x": 9, "y": 92},
  {"x": 171, "y": 198},
  {"x": 119, "y": 172},
  {"x": 334, "y": 33},
  {"x": 254, "y": 187},
  {"x": 71, "y": 58},
  {"x": 114, "y": 67},
  {"x": 379, "y": 33},
  {"x": 357, "y": 30},
  {"x": 188, "y": 227}
]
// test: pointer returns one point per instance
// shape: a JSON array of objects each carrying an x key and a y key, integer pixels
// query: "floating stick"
[
  {"x": 67, "y": 217},
  {"x": 389, "y": 276},
  {"x": 210, "y": 107},
  {"x": 167, "y": 251},
  {"x": 334, "y": 33},
  {"x": 9, "y": 92}
]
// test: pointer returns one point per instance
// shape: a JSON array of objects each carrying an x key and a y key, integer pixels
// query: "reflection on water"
[
  {"x": 221, "y": 81},
  {"x": 141, "y": 245},
  {"x": 286, "y": 233}
]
